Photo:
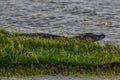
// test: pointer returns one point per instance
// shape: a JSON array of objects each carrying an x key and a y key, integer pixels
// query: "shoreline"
[{"x": 39, "y": 55}]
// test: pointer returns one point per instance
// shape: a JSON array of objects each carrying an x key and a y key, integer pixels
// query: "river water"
[
  {"x": 63, "y": 17},
  {"x": 66, "y": 17},
  {"x": 61, "y": 77}
]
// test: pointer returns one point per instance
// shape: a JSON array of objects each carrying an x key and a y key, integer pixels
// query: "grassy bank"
[{"x": 38, "y": 55}]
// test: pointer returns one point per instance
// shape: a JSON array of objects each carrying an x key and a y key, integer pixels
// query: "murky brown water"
[{"x": 62, "y": 16}]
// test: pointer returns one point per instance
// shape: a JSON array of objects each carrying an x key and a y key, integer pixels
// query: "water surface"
[
  {"x": 61, "y": 77},
  {"x": 68, "y": 17}
]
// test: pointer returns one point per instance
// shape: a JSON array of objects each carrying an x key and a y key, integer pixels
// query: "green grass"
[{"x": 37, "y": 55}]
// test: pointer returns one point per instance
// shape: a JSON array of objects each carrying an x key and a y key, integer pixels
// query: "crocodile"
[{"x": 93, "y": 37}]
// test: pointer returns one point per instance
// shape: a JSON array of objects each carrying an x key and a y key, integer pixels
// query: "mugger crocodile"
[{"x": 93, "y": 37}]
